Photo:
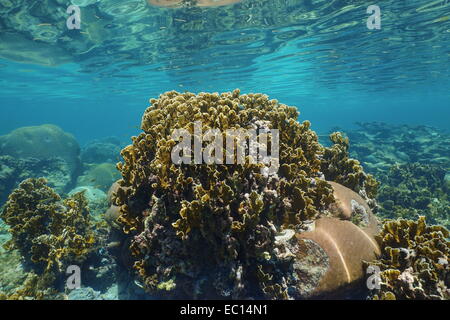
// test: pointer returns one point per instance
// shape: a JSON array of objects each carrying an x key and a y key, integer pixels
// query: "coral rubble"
[{"x": 217, "y": 230}]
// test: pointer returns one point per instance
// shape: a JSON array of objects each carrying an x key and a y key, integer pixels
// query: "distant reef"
[
  {"x": 47, "y": 151},
  {"x": 38, "y": 151},
  {"x": 380, "y": 145},
  {"x": 412, "y": 164}
]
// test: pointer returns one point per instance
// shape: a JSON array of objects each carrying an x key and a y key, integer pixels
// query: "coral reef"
[
  {"x": 42, "y": 142},
  {"x": 380, "y": 145},
  {"x": 414, "y": 261},
  {"x": 101, "y": 151},
  {"x": 49, "y": 233},
  {"x": 339, "y": 167},
  {"x": 211, "y": 230},
  {"x": 100, "y": 176},
  {"x": 412, "y": 190},
  {"x": 412, "y": 164},
  {"x": 13, "y": 171},
  {"x": 40, "y": 151},
  {"x": 97, "y": 201}
]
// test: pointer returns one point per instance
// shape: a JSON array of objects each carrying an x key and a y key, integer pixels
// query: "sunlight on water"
[
  {"x": 325, "y": 42},
  {"x": 316, "y": 218}
]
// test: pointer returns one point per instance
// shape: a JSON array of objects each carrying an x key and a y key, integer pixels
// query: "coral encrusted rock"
[{"x": 224, "y": 230}]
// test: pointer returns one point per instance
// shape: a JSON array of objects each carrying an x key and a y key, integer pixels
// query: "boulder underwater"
[
  {"x": 39, "y": 151},
  {"x": 41, "y": 142},
  {"x": 347, "y": 239},
  {"x": 100, "y": 176}
]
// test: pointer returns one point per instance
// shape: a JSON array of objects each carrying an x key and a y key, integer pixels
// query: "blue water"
[{"x": 317, "y": 55}]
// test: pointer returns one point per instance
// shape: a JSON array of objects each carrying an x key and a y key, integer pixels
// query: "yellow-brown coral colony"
[
  {"x": 211, "y": 230},
  {"x": 414, "y": 262},
  {"x": 50, "y": 233}
]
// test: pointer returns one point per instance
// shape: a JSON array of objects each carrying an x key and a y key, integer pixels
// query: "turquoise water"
[
  {"x": 317, "y": 55},
  {"x": 387, "y": 89}
]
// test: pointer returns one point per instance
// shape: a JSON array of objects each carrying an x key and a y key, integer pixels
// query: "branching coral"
[
  {"x": 414, "y": 261},
  {"x": 210, "y": 229},
  {"x": 50, "y": 234}
]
